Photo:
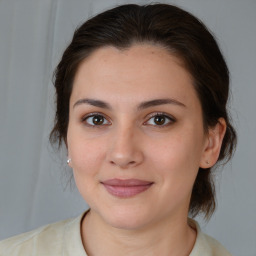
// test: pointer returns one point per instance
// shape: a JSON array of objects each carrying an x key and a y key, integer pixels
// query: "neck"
[{"x": 167, "y": 237}]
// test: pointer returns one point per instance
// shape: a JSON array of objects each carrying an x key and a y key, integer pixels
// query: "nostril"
[{"x": 123, "y": 164}]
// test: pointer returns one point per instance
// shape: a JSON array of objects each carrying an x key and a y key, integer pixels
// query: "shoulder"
[
  {"x": 216, "y": 247},
  {"x": 206, "y": 245},
  {"x": 46, "y": 240}
]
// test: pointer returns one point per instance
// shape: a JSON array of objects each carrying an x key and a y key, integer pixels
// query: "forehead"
[
  {"x": 141, "y": 55},
  {"x": 139, "y": 71}
]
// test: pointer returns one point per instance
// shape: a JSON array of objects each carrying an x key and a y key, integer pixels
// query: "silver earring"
[
  {"x": 68, "y": 161},
  {"x": 207, "y": 162}
]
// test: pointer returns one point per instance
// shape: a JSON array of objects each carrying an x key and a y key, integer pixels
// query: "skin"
[{"x": 131, "y": 145}]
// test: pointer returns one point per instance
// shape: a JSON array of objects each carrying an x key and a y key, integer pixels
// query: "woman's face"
[{"x": 135, "y": 135}]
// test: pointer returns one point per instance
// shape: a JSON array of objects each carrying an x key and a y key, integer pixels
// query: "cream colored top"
[{"x": 64, "y": 238}]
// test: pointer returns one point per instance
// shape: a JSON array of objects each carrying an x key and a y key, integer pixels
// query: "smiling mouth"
[{"x": 126, "y": 188}]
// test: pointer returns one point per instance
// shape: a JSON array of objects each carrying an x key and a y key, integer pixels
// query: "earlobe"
[
  {"x": 213, "y": 144},
  {"x": 69, "y": 162}
]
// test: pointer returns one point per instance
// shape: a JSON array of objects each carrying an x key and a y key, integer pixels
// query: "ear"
[{"x": 213, "y": 144}]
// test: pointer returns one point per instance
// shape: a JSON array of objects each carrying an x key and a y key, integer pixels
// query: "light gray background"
[{"x": 34, "y": 188}]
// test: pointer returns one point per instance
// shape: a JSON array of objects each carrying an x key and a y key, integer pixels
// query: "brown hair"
[{"x": 182, "y": 35}]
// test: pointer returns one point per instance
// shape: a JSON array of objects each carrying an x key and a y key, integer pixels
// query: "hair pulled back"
[{"x": 181, "y": 34}]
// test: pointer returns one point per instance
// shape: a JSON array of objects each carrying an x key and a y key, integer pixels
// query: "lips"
[{"x": 126, "y": 188}]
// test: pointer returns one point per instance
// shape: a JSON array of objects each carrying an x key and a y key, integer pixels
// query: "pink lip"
[{"x": 126, "y": 188}]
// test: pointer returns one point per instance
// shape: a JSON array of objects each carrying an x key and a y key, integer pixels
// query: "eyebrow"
[
  {"x": 141, "y": 106},
  {"x": 93, "y": 102},
  {"x": 158, "y": 102}
]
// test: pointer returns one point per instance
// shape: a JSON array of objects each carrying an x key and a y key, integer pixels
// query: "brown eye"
[
  {"x": 95, "y": 120},
  {"x": 159, "y": 120},
  {"x": 98, "y": 120}
]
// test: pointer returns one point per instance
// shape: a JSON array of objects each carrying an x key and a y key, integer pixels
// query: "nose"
[{"x": 125, "y": 150}]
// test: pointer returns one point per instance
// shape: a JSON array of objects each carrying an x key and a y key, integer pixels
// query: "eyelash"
[
  {"x": 153, "y": 115},
  {"x": 162, "y": 114},
  {"x": 85, "y": 118}
]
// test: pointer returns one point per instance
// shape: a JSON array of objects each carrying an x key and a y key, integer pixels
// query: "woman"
[{"x": 141, "y": 107}]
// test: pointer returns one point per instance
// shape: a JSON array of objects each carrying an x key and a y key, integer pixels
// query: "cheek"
[
  {"x": 183, "y": 148},
  {"x": 86, "y": 160},
  {"x": 86, "y": 155},
  {"x": 176, "y": 173},
  {"x": 176, "y": 159}
]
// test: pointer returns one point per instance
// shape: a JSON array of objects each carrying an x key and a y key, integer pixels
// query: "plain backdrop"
[{"x": 35, "y": 187}]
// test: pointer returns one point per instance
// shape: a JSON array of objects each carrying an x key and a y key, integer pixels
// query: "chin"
[{"x": 127, "y": 218}]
